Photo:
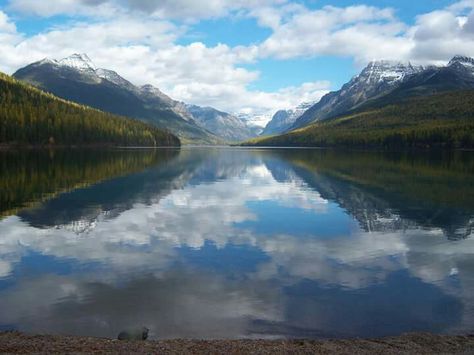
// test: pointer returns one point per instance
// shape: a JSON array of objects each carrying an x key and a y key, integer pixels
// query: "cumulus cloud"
[
  {"x": 60, "y": 7},
  {"x": 366, "y": 33},
  {"x": 176, "y": 9},
  {"x": 334, "y": 31},
  {"x": 438, "y": 35}
]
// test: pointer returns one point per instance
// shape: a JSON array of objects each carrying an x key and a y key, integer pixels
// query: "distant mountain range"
[
  {"x": 226, "y": 126},
  {"x": 380, "y": 84},
  {"x": 283, "y": 120},
  {"x": 77, "y": 79}
]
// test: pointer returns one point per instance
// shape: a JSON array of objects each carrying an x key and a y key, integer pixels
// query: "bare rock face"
[{"x": 134, "y": 334}]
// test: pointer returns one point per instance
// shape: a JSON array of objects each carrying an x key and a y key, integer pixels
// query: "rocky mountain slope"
[
  {"x": 282, "y": 120},
  {"x": 458, "y": 74},
  {"x": 77, "y": 79},
  {"x": 378, "y": 78},
  {"x": 226, "y": 126}
]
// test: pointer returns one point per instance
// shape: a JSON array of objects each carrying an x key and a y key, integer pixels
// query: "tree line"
[
  {"x": 442, "y": 120},
  {"x": 29, "y": 116}
]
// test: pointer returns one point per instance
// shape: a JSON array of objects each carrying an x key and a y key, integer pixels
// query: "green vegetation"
[
  {"x": 443, "y": 120},
  {"x": 28, "y": 177},
  {"x": 29, "y": 116}
]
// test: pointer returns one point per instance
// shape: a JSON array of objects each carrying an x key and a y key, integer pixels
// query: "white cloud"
[
  {"x": 439, "y": 35},
  {"x": 175, "y": 9},
  {"x": 366, "y": 33},
  {"x": 60, "y": 7},
  {"x": 357, "y": 31},
  {"x": 6, "y": 25}
]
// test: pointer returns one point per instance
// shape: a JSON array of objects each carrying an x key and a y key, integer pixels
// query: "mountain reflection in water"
[{"x": 230, "y": 243}]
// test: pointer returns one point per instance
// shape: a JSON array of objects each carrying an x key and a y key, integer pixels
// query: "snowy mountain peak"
[
  {"x": 78, "y": 61},
  {"x": 463, "y": 60},
  {"x": 113, "y": 77},
  {"x": 388, "y": 71},
  {"x": 284, "y": 119},
  {"x": 47, "y": 61}
]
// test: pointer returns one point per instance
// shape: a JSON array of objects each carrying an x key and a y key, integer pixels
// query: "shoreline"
[{"x": 413, "y": 343}]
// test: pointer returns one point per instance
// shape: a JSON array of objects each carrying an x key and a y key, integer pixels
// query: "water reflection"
[{"x": 219, "y": 243}]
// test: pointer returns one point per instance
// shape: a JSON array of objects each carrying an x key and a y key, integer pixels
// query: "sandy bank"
[{"x": 13, "y": 342}]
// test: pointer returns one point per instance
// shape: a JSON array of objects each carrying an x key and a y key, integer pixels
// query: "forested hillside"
[
  {"x": 442, "y": 120},
  {"x": 29, "y": 116}
]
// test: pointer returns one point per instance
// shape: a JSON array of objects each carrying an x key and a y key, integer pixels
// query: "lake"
[{"x": 236, "y": 243}]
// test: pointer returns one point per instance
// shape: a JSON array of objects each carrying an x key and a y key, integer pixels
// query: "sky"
[{"x": 251, "y": 57}]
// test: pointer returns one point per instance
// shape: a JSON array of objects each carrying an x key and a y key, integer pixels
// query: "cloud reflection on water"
[{"x": 130, "y": 268}]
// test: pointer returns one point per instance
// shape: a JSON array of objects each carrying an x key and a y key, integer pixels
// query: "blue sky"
[{"x": 243, "y": 56}]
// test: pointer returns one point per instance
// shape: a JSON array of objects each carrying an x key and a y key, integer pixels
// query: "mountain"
[
  {"x": 377, "y": 78},
  {"x": 443, "y": 120},
  {"x": 77, "y": 79},
  {"x": 30, "y": 116},
  {"x": 458, "y": 74},
  {"x": 255, "y": 129},
  {"x": 229, "y": 127},
  {"x": 282, "y": 120}
]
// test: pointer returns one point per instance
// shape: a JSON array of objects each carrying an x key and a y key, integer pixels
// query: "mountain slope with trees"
[
  {"x": 30, "y": 116},
  {"x": 76, "y": 79},
  {"x": 442, "y": 120}
]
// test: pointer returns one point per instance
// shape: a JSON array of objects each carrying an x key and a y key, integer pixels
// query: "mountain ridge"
[
  {"x": 230, "y": 127},
  {"x": 377, "y": 78},
  {"x": 383, "y": 81},
  {"x": 282, "y": 120},
  {"x": 77, "y": 79}
]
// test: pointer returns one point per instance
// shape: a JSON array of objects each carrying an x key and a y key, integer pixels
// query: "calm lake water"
[{"x": 232, "y": 243}]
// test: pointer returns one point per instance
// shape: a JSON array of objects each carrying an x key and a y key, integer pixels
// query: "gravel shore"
[{"x": 418, "y": 343}]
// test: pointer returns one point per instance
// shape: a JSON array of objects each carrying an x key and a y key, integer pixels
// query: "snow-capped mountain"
[
  {"x": 385, "y": 71},
  {"x": 458, "y": 74},
  {"x": 76, "y": 78},
  {"x": 282, "y": 120},
  {"x": 462, "y": 63},
  {"x": 113, "y": 77},
  {"x": 223, "y": 124},
  {"x": 80, "y": 62},
  {"x": 377, "y": 78},
  {"x": 466, "y": 62}
]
